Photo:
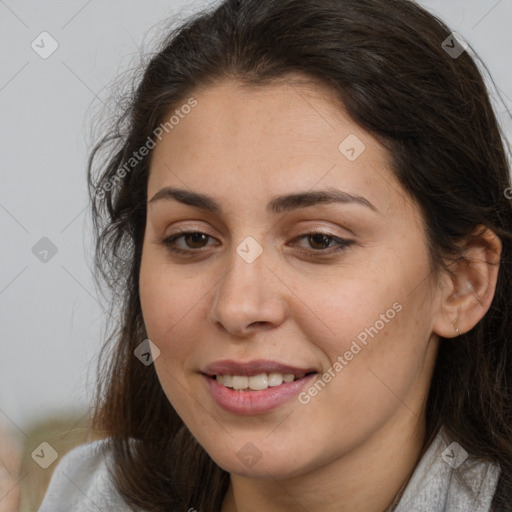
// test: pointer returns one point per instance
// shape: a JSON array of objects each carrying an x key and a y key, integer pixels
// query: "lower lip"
[{"x": 255, "y": 402}]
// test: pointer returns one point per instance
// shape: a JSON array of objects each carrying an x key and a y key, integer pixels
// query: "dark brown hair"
[{"x": 385, "y": 62}]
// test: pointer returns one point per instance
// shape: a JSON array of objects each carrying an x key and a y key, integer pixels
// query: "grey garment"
[
  {"x": 448, "y": 479},
  {"x": 445, "y": 480},
  {"x": 81, "y": 482}
]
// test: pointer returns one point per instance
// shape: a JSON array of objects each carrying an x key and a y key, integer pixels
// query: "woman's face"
[{"x": 255, "y": 290}]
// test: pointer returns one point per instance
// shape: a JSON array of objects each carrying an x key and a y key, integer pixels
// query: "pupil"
[
  {"x": 322, "y": 238},
  {"x": 196, "y": 237}
]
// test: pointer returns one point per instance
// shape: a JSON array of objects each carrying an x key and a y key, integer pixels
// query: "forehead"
[
  {"x": 296, "y": 112},
  {"x": 268, "y": 140}
]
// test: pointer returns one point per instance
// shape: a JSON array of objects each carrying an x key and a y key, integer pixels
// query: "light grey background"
[{"x": 51, "y": 322}]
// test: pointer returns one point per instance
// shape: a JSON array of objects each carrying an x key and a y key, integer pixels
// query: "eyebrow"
[{"x": 279, "y": 204}]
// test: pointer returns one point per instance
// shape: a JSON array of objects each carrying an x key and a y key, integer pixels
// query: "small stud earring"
[{"x": 458, "y": 332}]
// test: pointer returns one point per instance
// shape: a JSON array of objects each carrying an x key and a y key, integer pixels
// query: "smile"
[
  {"x": 247, "y": 401},
  {"x": 256, "y": 382}
]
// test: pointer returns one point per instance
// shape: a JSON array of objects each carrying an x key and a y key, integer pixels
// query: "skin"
[{"x": 354, "y": 445}]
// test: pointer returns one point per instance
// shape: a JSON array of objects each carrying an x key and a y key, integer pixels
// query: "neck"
[{"x": 371, "y": 478}]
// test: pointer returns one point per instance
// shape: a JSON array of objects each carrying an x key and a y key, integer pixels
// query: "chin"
[{"x": 249, "y": 462}]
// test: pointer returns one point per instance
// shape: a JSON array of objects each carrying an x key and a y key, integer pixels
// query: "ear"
[{"x": 470, "y": 284}]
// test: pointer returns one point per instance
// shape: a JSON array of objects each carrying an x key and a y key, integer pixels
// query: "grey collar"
[{"x": 448, "y": 479}]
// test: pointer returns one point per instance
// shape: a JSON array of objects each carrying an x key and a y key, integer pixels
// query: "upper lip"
[{"x": 256, "y": 367}]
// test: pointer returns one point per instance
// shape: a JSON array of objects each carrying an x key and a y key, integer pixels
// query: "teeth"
[
  {"x": 275, "y": 379},
  {"x": 255, "y": 382},
  {"x": 240, "y": 382},
  {"x": 258, "y": 382}
]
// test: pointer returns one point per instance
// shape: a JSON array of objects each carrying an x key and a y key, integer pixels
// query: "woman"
[{"x": 304, "y": 217}]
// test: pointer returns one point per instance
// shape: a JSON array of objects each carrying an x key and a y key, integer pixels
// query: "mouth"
[
  {"x": 255, "y": 387},
  {"x": 258, "y": 382},
  {"x": 254, "y": 375},
  {"x": 247, "y": 401}
]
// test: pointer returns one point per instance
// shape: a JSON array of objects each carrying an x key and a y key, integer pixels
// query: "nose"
[{"x": 249, "y": 297}]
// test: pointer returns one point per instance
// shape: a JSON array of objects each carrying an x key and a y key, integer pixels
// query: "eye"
[
  {"x": 196, "y": 240},
  {"x": 193, "y": 239},
  {"x": 320, "y": 241}
]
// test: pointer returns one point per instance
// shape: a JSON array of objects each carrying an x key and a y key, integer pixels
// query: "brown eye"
[
  {"x": 320, "y": 239},
  {"x": 320, "y": 243},
  {"x": 194, "y": 240}
]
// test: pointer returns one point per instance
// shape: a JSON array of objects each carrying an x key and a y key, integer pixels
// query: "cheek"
[
  {"x": 166, "y": 297},
  {"x": 355, "y": 306},
  {"x": 171, "y": 302},
  {"x": 167, "y": 311},
  {"x": 372, "y": 324},
  {"x": 156, "y": 304}
]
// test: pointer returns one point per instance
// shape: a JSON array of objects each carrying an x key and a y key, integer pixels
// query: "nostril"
[{"x": 258, "y": 324}]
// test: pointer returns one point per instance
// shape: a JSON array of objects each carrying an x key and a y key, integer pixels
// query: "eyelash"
[{"x": 342, "y": 243}]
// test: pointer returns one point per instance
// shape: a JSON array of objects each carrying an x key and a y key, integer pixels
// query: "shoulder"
[
  {"x": 447, "y": 478},
  {"x": 81, "y": 481}
]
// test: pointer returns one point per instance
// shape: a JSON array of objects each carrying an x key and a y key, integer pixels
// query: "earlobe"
[{"x": 468, "y": 296}]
